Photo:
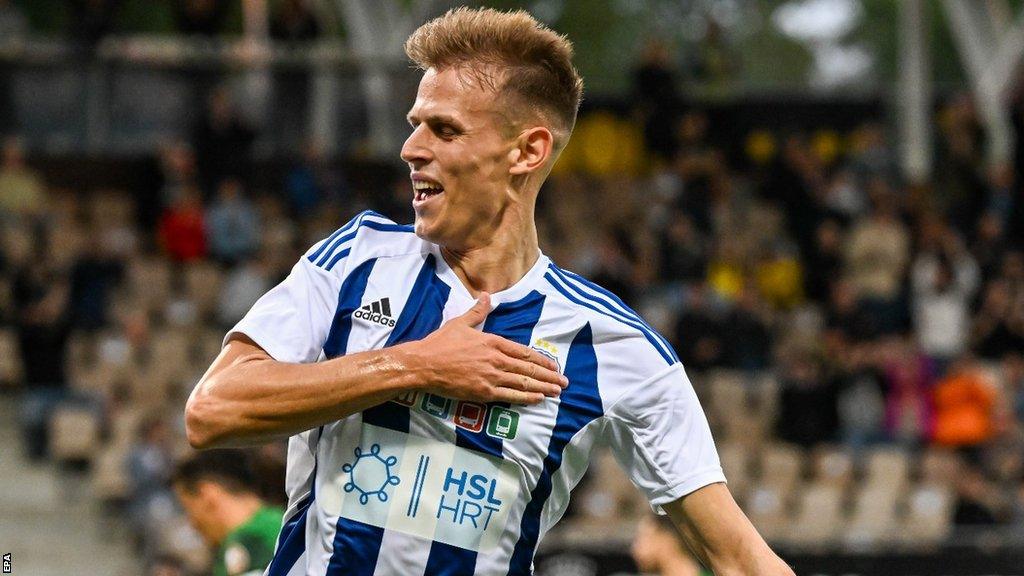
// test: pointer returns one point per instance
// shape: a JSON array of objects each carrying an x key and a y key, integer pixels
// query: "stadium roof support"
[
  {"x": 991, "y": 47},
  {"x": 914, "y": 93}
]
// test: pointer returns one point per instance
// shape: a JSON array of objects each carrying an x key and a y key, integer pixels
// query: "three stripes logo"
[{"x": 379, "y": 312}]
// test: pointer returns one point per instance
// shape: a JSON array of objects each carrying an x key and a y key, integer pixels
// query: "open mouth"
[{"x": 424, "y": 190}]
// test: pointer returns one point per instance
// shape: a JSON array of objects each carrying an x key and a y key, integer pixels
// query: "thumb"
[{"x": 478, "y": 313}]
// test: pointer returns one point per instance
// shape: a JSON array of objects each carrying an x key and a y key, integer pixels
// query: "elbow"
[{"x": 200, "y": 423}]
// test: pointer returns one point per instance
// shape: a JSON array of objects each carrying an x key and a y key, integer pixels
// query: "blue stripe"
[
  {"x": 330, "y": 242},
  {"x": 515, "y": 321},
  {"x": 580, "y": 404},
  {"x": 622, "y": 308},
  {"x": 337, "y": 257},
  {"x": 356, "y": 547},
  {"x": 372, "y": 224},
  {"x": 291, "y": 543},
  {"x": 356, "y": 544},
  {"x": 447, "y": 560},
  {"x": 417, "y": 486},
  {"x": 349, "y": 298},
  {"x": 420, "y": 316},
  {"x": 586, "y": 303}
]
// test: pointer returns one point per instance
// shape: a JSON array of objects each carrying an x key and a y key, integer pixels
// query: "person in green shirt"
[
  {"x": 218, "y": 490},
  {"x": 658, "y": 549}
]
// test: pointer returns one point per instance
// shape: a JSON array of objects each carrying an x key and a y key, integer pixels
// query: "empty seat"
[
  {"x": 766, "y": 506},
  {"x": 939, "y": 466},
  {"x": 727, "y": 393},
  {"x": 736, "y": 464},
  {"x": 873, "y": 520},
  {"x": 110, "y": 481},
  {"x": 202, "y": 285},
  {"x": 781, "y": 466},
  {"x": 887, "y": 466},
  {"x": 11, "y": 371},
  {"x": 74, "y": 434},
  {"x": 820, "y": 518},
  {"x": 833, "y": 467},
  {"x": 929, "y": 517}
]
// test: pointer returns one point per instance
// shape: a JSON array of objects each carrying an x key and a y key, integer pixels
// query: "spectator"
[
  {"x": 149, "y": 466},
  {"x": 808, "y": 404},
  {"x": 908, "y": 377},
  {"x": 182, "y": 231},
  {"x": 21, "y": 189},
  {"x": 94, "y": 275},
  {"x": 824, "y": 263},
  {"x": 999, "y": 324},
  {"x": 219, "y": 492},
  {"x": 40, "y": 296},
  {"x": 877, "y": 253},
  {"x": 748, "y": 346},
  {"x": 222, "y": 141},
  {"x": 699, "y": 333},
  {"x": 682, "y": 251},
  {"x": 658, "y": 549},
  {"x": 943, "y": 279},
  {"x": 965, "y": 405},
  {"x": 243, "y": 286},
  {"x": 233, "y": 224},
  {"x": 657, "y": 101},
  {"x": 91, "y": 20},
  {"x": 13, "y": 24},
  {"x": 201, "y": 17},
  {"x": 316, "y": 180},
  {"x": 294, "y": 21}
]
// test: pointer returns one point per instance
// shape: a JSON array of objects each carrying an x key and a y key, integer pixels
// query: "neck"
[
  {"x": 239, "y": 511},
  {"x": 506, "y": 256}
]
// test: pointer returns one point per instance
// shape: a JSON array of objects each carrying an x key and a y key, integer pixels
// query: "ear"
[{"x": 532, "y": 150}]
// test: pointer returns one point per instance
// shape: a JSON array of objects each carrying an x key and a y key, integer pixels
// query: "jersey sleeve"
[
  {"x": 660, "y": 435},
  {"x": 291, "y": 321}
]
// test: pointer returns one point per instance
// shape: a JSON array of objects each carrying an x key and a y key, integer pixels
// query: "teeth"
[{"x": 423, "y": 185}]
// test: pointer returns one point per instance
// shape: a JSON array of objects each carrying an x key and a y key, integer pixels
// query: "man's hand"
[{"x": 461, "y": 362}]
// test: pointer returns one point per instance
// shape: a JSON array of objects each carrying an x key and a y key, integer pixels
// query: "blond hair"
[{"x": 510, "y": 53}]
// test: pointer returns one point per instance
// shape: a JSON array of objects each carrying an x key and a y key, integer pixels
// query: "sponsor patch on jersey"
[{"x": 422, "y": 486}]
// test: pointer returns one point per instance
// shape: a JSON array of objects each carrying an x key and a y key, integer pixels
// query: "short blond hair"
[{"x": 510, "y": 53}]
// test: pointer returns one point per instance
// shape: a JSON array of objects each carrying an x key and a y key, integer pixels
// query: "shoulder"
[
  {"x": 366, "y": 236},
  {"x": 624, "y": 342}
]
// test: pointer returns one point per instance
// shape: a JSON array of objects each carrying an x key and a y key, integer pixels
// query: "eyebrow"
[{"x": 436, "y": 119}]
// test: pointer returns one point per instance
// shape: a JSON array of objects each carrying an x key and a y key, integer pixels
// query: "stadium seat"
[
  {"x": 10, "y": 359},
  {"x": 736, "y": 464},
  {"x": 74, "y": 434},
  {"x": 150, "y": 279},
  {"x": 820, "y": 518},
  {"x": 888, "y": 467},
  {"x": 781, "y": 466},
  {"x": 939, "y": 467},
  {"x": 833, "y": 466},
  {"x": 928, "y": 521},
  {"x": 766, "y": 507},
  {"x": 873, "y": 519},
  {"x": 109, "y": 478},
  {"x": 203, "y": 282}
]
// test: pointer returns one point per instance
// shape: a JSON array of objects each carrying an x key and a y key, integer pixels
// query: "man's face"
[
  {"x": 459, "y": 154},
  {"x": 200, "y": 510}
]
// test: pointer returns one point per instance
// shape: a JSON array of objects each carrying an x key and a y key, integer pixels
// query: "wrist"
[{"x": 408, "y": 367}]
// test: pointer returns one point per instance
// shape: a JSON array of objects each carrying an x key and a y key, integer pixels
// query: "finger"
[
  {"x": 518, "y": 351},
  {"x": 478, "y": 313},
  {"x": 517, "y": 396},
  {"x": 535, "y": 372},
  {"x": 524, "y": 383}
]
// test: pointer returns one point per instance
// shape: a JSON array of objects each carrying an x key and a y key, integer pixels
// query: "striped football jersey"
[{"x": 428, "y": 485}]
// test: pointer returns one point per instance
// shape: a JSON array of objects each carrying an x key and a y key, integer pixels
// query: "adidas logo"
[{"x": 379, "y": 312}]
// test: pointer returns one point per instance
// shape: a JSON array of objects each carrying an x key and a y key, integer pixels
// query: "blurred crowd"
[{"x": 823, "y": 307}]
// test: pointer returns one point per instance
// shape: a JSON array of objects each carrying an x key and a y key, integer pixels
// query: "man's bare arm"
[
  {"x": 721, "y": 536},
  {"x": 247, "y": 397}
]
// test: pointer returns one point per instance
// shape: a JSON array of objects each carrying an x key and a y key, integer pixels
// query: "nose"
[{"x": 415, "y": 151}]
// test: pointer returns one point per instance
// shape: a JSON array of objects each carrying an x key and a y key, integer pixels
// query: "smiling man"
[{"x": 444, "y": 383}]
